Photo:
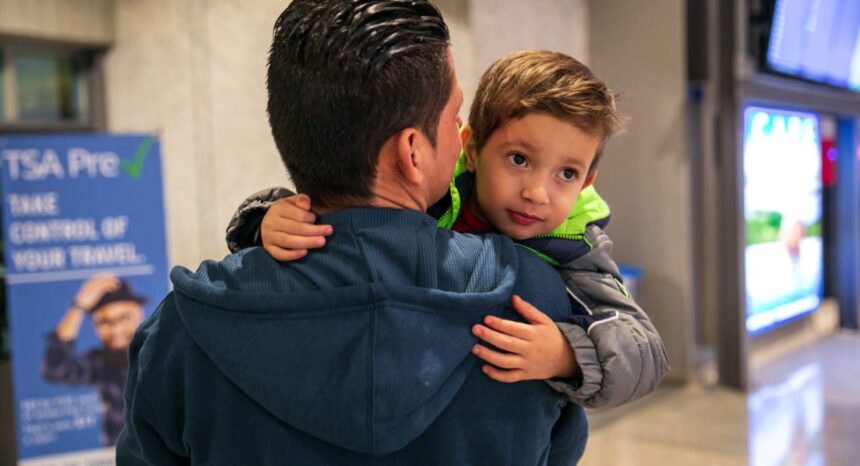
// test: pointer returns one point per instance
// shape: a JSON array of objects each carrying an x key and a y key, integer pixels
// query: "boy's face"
[
  {"x": 529, "y": 174},
  {"x": 116, "y": 322}
]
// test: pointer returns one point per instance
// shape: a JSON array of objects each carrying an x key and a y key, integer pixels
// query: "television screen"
[
  {"x": 782, "y": 209},
  {"x": 818, "y": 40}
]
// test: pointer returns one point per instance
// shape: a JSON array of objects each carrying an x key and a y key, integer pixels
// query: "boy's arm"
[
  {"x": 244, "y": 228},
  {"x": 618, "y": 350},
  {"x": 279, "y": 221}
]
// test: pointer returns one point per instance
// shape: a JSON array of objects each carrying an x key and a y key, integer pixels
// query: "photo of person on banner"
[{"x": 115, "y": 311}]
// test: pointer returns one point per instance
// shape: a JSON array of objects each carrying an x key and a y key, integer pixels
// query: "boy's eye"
[
  {"x": 517, "y": 160},
  {"x": 567, "y": 174}
]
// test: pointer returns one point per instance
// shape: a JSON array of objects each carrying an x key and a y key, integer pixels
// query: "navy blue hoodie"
[{"x": 357, "y": 354}]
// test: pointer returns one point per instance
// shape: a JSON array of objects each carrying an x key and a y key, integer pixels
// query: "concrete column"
[{"x": 639, "y": 49}]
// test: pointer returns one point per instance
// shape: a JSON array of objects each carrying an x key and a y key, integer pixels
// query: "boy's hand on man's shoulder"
[
  {"x": 535, "y": 350},
  {"x": 288, "y": 232}
]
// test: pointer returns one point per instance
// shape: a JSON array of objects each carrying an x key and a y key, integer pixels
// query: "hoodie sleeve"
[
  {"x": 148, "y": 438},
  {"x": 244, "y": 228},
  {"x": 621, "y": 355}
]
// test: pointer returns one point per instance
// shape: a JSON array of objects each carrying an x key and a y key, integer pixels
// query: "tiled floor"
[{"x": 804, "y": 409}]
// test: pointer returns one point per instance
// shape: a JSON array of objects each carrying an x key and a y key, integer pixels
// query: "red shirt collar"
[{"x": 468, "y": 222}]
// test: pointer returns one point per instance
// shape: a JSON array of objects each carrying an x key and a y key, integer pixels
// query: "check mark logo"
[{"x": 134, "y": 168}]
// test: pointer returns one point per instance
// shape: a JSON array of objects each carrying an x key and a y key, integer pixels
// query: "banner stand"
[{"x": 85, "y": 254}]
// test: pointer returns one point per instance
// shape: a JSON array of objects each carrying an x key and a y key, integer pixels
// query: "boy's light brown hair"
[{"x": 540, "y": 81}]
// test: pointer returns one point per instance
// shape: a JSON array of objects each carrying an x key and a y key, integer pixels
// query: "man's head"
[
  {"x": 345, "y": 76},
  {"x": 536, "y": 129},
  {"x": 117, "y": 315}
]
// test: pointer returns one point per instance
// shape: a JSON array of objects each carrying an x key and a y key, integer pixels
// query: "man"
[
  {"x": 360, "y": 353},
  {"x": 116, "y": 311}
]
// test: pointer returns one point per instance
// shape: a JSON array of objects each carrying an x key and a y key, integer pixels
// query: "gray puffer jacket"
[
  {"x": 619, "y": 351},
  {"x": 621, "y": 355}
]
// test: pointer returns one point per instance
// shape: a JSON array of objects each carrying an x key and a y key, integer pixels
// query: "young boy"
[{"x": 537, "y": 127}]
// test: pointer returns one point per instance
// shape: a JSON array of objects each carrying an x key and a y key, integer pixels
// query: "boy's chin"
[{"x": 520, "y": 234}]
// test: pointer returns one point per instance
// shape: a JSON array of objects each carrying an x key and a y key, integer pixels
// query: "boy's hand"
[
  {"x": 288, "y": 229},
  {"x": 535, "y": 350}
]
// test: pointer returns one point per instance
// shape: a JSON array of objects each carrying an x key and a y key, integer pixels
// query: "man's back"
[{"x": 358, "y": 354}]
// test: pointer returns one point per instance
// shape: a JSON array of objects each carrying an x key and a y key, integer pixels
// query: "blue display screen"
[
  {"x": 817, "y": 40},
  {"x": 782, "y": 210}
]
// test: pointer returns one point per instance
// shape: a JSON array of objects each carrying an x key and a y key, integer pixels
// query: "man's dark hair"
[{"x": 346, "y": 75}]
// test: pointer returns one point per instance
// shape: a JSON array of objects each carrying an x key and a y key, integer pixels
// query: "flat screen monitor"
[
  {"x": 817, "y": 40},
  {"x": 782, "y": 209}
]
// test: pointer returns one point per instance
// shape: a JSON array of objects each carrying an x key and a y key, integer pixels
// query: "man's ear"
[
  {"x": 410, "y": 149},
  {"x": 469, "y": 148},
  {"x": 590, "y": 179}
]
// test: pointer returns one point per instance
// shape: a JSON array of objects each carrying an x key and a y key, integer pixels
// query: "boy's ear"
[
  {"x": 469, "y": 148},
  {"x": 590, "y": 179},
  {"x": 410, "y": 149}
]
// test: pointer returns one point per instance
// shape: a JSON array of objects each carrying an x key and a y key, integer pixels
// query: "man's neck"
[
  {"x": 393, "y": 193},
  {"x": 379, "y": 201},
  {"x": 322, "y": 210}
]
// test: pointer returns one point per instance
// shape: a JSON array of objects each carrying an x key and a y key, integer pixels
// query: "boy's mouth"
[{"x": 522, "y": 218}]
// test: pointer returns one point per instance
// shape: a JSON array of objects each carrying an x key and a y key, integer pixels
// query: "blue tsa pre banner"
[{"x": 85, "y": 255}]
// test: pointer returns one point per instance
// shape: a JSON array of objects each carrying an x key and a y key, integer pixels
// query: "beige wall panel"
[
  {"x": 456, "y": 14},
  {"x": 236, "y": 45},
  {"x": 638, "y": 49},
  {"x": 150, "y": 89},
  {"x": 195, "y": 72},
  {"x": 83, "y": 21},
  {"x": 504, "y": 26}
]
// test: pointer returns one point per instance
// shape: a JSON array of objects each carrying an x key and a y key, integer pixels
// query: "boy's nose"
[{"x": 536, "y": 193}]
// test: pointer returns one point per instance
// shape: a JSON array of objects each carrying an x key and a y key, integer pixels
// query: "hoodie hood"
[{"x": 343, "y": 345}]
